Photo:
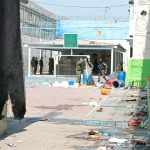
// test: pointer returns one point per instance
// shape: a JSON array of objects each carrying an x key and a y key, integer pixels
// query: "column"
[
  {"x": 29, "y": 61},
  {"x": 112, "y": 60}
]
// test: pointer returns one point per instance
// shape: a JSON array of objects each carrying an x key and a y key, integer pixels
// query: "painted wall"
[
  {"x": 141, "y": 40},
  {"x": 96, "y": 30},
  {"x": 138, "y": 68}
]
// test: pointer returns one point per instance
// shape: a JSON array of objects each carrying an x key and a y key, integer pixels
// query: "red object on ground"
[
  {"x": 110, "y": 82},
  {"x": 148, "y": 79},
  {"x": 134, "y": 123}
]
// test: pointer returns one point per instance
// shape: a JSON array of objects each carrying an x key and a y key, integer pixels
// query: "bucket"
[
  {"x": 104, "y": 91},
  {"x": 71, "y": 83},
  {"x": 121, "y": 76},
  {"x": 117, "y": 84}
]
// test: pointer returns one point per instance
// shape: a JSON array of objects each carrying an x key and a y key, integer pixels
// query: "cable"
[{"x": 76, "y": 6}]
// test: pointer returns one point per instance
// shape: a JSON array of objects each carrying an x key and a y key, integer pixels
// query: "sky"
[{"x": 118, "y": 12}]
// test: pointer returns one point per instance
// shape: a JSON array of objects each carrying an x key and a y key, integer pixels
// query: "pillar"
[
  {"x": 112, "y": 60},
  {"x": 29, "y": 61}
]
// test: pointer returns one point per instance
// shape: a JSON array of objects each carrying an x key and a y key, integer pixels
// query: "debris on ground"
[
  {"x": 43, "y": 119},
  {"x": 86, "y": 136},
  {"x": 93, "y": 132},
  {"x": 99, "y": 109},
  {"x": 11, "y": 145},
  {"x": 116, "y": 140}
]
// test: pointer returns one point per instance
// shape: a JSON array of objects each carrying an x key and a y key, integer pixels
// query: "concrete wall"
[
  {"x": 141, "y": 39},
  {"x": 29, "y": 39},
  {"x": 138, "y": 69}
]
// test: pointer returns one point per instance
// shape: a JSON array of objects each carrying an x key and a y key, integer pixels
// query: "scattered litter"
[
  {"x": 127, "y": 100},
  {"x": 100, "y": 85},
  {"x": 44, "y": 119},
  {"x": 93, "y": 132},
  {"x": 134, "y": 123},
  {"x": 116, "y": 140},
  {"x": 86, "y": 136},
  {"x": 99, "y": 109},
  {"x": 11, "y": 145},
  {"x": 93, "y": 104}
]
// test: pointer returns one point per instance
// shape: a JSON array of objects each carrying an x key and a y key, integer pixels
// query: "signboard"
[{"x": 71, "y": 40}]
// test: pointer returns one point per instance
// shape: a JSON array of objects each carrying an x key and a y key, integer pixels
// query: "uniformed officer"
[
  {"x": 80, "y": 65},
  {"x": 41, "y": 65}
]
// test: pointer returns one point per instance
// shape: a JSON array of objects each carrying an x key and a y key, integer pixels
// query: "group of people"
[
  {"x": 85, "y": 67},
  {"x": 35, "y": 62}
]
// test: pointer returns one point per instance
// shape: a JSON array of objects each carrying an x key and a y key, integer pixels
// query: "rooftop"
[{"x": 39, "y": 9}]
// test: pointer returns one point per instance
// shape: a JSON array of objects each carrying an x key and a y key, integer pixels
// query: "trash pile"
[
  {"x": 114, "y": 140},
  {"x": 136, "y": 102}
]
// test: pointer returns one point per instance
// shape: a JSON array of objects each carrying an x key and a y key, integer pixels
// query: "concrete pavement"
[{"x": 55, "y": 115}]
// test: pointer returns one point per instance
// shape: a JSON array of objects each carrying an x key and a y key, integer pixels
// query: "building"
[
  {"x": 113, "y": 31},
  {"x": 37, "y": 25},
  {"x": 139, "y": 63},
  {"x": 43, "y": 31},
  {"x": 37, "y": 22}
]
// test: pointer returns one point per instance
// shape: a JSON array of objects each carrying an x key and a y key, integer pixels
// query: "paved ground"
[{"x": 67, "y": 113}]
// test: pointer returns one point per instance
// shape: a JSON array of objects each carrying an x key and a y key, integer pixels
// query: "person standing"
[
  {"x": 33, "y": 64},
  {"x": 80, "y": 66},
  {"x": 41, "y": 65},
  {"x": 36, "y": 65},
  {"x": 102, "y": 68},
  {"x": 95, "y": 67},
  {"x": 51, "y": 65}
]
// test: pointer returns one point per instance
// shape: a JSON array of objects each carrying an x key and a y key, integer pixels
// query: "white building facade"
[{"x": 138, "y": 67}]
